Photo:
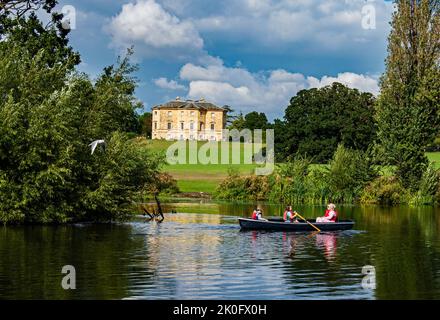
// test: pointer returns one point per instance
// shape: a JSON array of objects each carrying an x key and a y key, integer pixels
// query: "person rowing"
[
  {"x": 331, "y": 215},
  {"x": 289, "y": 215}
]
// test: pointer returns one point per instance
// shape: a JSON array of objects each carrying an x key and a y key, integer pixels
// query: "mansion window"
[
  {"x": 155, "y": 125},
  {"x": 170, "y": 113},
  {"x": 192, "y": 113},
  {"x": 191, "y": 126},
  {"x": 212, "y": 126},
  {"x": 181, "y": 126},
  {"x": 169, "y": 126},
  {"x": 212, "y": 115}
]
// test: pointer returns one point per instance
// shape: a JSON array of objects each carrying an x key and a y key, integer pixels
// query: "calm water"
[{"x": 203, "y": 254}]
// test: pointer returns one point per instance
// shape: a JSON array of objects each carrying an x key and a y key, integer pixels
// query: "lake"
[{"x": 200, "y": 253}]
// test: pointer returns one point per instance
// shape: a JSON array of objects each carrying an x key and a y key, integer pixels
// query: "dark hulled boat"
[{"x": 280, "y": 225}]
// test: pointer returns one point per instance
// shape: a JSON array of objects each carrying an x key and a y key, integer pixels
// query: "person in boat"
[
  {"x": 331, "y": 215},
  {"x": 289, "y": 215},
  {"x": 258, "y": 215}
]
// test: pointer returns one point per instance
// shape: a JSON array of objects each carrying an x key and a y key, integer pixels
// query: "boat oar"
[{"x": 317, "y": 229}]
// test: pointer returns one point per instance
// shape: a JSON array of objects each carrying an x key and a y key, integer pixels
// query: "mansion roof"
[{"x": 189, "y": 104}]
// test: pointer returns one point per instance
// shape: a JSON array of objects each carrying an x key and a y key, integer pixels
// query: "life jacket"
[
  {"x": 285, "y": 215},
  {"x": 335, "y": 217},
  {"x": 254, "y": 215}
]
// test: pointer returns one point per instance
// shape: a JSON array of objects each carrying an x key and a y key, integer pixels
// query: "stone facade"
[{"x": 188, "y": 120}]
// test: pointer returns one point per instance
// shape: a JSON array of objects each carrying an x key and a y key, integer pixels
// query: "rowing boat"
[{"x": 277, "y": 224}]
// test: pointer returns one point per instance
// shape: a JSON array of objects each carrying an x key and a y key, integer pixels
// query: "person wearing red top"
[
  {"x": 287, "y": 215},
  {"x": 258, "y": 215},
  {"x": 331, "y": 215}
]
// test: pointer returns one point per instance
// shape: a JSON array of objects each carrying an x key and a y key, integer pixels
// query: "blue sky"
[{"x": 249, "y": 54}]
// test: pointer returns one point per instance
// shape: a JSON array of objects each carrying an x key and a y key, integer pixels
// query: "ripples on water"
[
  {"x": 207, "y": 260},
  {"x": 206, "y": 256}
]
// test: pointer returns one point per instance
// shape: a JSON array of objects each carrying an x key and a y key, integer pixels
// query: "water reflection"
[
  {"x": 328, "y": 242},
  {"x": 206, "y": 256}
]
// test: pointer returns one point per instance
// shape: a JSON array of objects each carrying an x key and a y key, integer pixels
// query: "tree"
[
  {"x": 407, "y": 111},
  {"x": 115, "y": 104},
  {"x": 229, "y": 114},
  {"x": 255, "y": 120},
  {"x": 20, "y": 24},
  {"x": 48, "y": 117},
  {"x": 19, "y": 8},
  {"x": 317, "y": 120},
  {"x": 145, "y": 123},
  {"x": 238, "y": 123}
]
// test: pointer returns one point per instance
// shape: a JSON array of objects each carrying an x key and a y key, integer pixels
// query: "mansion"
[{"x": 188, "y": 120}]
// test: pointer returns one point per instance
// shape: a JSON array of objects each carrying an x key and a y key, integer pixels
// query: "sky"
[{"x": 253, "y": 55}]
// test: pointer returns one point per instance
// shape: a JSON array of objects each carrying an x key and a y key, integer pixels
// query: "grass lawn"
[
  {"x": 434, "y": 157},
  {"x": 205, "y": 178}
]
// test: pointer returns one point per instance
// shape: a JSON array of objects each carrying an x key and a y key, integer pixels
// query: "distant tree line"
[{"x": 394, "y": 129}]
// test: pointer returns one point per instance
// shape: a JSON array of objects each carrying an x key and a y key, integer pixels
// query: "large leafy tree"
[
  {"x": 255, "y": 120},
  {"x": 408, "y": 108},
  {"x": 317, "y": 120},
  {"x": 48, "y": 117}
]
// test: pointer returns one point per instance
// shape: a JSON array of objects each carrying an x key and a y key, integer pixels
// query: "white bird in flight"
[{"x": 95, "y": 143}]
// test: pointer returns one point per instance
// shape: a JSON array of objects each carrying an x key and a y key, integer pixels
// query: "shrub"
[
  {"x": 236, "y": 187},
  {"x": 384, "y": 190},
  {"x": 428, "y": 187},
  {"x": 349, "y": 172},
  {"x": 290, "y": 183}
]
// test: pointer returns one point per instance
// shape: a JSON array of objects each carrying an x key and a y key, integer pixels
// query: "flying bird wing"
[{"x": 94, "y": 144}]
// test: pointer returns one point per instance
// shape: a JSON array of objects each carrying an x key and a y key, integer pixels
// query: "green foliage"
[
  {"x": 428, "y": 186},
  {"x": 48, "y": 118},
  {"x": 145, "y": 124},
  {"x": 255, "y": 120},
  {"x": 238, "y": 123},
  {"x": 291, "y": 181},
  {"x": 236, "y": 187},
  {"x": 407, "y": 111},
  {"x": 349, "y": 172},
  {"x": 317, "y": 120},
  {"x": 297, "y": 181},
  {"x": 385, "y": 191},
  {"x": 251, "y": 121},
  {"x": 121, "y": 173},
  {"x": 115, "y": 101}
]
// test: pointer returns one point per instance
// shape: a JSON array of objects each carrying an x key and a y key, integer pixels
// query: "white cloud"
[
  {"x": 353, "y": 80},
  {"x": 269, "y": 92},
  {"x": 327, "y": 31},
  {"x": 174, "y": 28},
  {"x": 154, "y": 32},
  {"x": 164, "y": 83},
  {"x": 283, "y": 22}
]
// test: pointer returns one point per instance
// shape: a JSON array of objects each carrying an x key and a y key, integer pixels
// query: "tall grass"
[
  {"x": 350, "y": 177},
  {"x": 297, "y": 181}
]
